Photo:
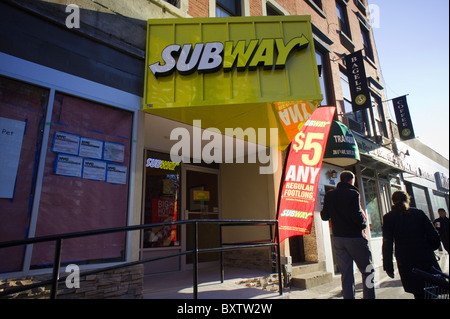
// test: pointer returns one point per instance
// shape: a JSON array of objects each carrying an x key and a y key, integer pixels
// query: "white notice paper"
[
  {"x": 116, "y": 174},
  {"x": 11, "y": 136},
  {"x": 114, "y": 152},
  {"x": 68, "y": 165},
  {"x": 66, "y": 143},
  {"x": 95, "y": 170},
  {"x": 91, "y": 148}
]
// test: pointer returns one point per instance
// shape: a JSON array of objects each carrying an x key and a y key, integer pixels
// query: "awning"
[
  {"x": 383, "y": 159},
  {"x": 342, "y": 149},
  {"x": 232, "y": 70}
]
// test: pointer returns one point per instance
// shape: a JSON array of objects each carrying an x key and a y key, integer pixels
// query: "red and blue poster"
[{"x": 302, "y": 173}]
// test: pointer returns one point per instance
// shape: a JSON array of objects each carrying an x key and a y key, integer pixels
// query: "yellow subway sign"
[{"x": 227, "y": 72}]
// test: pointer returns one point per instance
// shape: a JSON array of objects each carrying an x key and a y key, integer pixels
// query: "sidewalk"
[{"x": 178, "y": 285}]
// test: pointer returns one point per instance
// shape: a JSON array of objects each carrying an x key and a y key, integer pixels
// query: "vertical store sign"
[
  {"x": 403, "y": 117},
  {"x": 357, "y": 81},
  {"x": 302, "y": 173}
]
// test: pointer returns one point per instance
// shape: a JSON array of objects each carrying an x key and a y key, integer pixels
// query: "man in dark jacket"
[
  {"x": 441, "y": 225},
  {"x": 348, "y": 223}
]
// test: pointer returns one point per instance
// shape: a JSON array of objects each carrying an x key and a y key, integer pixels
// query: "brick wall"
[
  {"x": 252, "y": 258},
  {"x": 198, "y": 8},
  {"x": 123, "y": 283},
  {"x": 255, "y": 8}
]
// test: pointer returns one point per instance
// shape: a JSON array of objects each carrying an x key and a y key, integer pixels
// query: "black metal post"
[
  {"x": 280, "y": 280},
  {"x": 56, "y": 268},
  {"x": 273, "y": 249},
  {"x": 195, "y": 260},
  {"x": 222, "y": 274}
]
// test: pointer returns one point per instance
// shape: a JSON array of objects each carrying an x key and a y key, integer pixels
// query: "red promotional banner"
[{"x": 302, "y": 173}]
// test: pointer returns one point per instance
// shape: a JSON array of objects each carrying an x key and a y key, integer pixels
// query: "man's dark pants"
[{"x": 347, "y": 250}]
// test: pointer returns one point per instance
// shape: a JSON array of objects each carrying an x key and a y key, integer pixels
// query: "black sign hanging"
[
  {"x": 405, "y": 127},
  {"x": 357, "y": 80}
]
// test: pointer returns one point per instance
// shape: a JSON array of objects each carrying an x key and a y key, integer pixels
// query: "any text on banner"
[
  {"x": 405, "y": 127},
  {"x": 302, "y": 173},
  {"x": 357, "y": 81}
]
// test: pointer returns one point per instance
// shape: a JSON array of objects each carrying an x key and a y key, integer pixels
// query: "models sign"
[{"x": 301, "y": 178}]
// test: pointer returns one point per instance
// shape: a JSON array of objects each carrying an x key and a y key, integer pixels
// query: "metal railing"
[{"x": 273, "y": 242}]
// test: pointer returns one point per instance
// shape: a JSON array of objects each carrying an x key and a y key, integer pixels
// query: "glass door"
[
  {"x": 201, "y": 201},
  {"x": 161, "y": 200},
  {"x": 372, "y": 206}
]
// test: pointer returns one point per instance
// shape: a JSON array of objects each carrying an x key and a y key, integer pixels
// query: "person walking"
[
  {"x": 441, "y": 225},
  {"x": 348, "y": 222},
  {"x": 415, "y": 240}
]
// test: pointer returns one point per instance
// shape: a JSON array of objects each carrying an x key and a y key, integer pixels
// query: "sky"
[{"x": 412, "y": 41}]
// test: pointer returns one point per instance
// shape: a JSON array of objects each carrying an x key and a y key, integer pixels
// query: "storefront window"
[
  {"x": 373, "y": 210},
  {"x": 394, "y": 180},
  {"x": 419, "y": 199},
  {"x": 394, "y": 188},
  {"x": 385, "y": 197},
  {"x": 162, "y": 200},
  {"x": 438, "y": 202},
  {"x": 86, "y": 181},
  {"x": 22, "y": 114}
]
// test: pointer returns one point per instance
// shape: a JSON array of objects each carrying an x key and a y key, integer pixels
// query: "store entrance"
[
  {"x": 297, "y": 249},
  {"x": 201, "y": 201}
]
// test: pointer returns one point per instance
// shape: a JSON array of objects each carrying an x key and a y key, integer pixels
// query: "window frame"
[
  {"x": 317, "y": 6},
  {"x": 344, "y": 24},
  {"x": 325, "y": 75},
  {"x": 378, "y": 115},
  {"x": 175, "y": 3},
  {"x": 367, "y": 43},
  {"x": 221, "y": 8},
  {"x": 270, "y": 7}
]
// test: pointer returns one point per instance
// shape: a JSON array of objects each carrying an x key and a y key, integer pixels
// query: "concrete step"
[
  {"x": 312, "y": 279},
  {"x": 305, "y": 268}
]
